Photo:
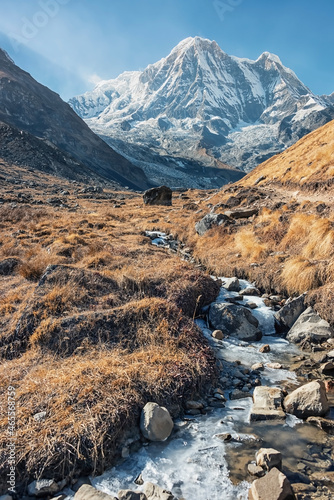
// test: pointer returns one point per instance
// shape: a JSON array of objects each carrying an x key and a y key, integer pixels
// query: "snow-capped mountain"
[{"x": 201, "y": 105}]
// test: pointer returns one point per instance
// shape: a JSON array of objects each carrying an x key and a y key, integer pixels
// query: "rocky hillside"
[
  {"x": 200, "y": 104},
  {"x": 29, "y": 106}
]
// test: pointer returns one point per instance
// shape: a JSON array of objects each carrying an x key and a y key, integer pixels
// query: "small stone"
[
  {"x": 194, "y": 405},
  {"x": 267, "y": 458},
  {"x": 257, "y": 367},
  {"x": 139, "y": 480},
  {"x": 219, "y": 396},
  {"x": 125, "y": 452},
  {"x": 274, "y": 366},
  {"x": 224, "y": 437},
  {"x": 40, "y": 417},
  {"x": 252, "y": 305},
  {"x": 255, "y": 470},
  {"x": 43, "y": 488},
  {"x": 218, "y": 335},
  {"x": 155, "y": 422},
  {"x": 265, "y": 348}
]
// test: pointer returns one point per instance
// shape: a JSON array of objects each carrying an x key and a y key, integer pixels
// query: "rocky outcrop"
[
  {"x": 242, "y": 213},
  {"x": 158, "y": 196},
  {"x": 87, "y": 492},
  {"x": 156, "y": 423},
  {"x": 290, "y": 312},
  {"x": 234, "y": 320},
  {"x": 309, "y": 400},
  {"x": 311, "y": 328},
  {"x": 274, "y": 486},
  {"x": 209, "y": 221},
  {"x": 267, "y": 404}
]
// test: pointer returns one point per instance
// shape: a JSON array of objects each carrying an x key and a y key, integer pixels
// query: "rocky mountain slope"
[
  {"x": 35, "y": 109},
  {"x": 200, "y": 104}
]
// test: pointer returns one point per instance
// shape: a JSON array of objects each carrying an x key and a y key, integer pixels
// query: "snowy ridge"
[{"x": 190, "y": 103}]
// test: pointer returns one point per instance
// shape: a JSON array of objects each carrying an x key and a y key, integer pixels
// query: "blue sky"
[{"x": 69, "y": 45}]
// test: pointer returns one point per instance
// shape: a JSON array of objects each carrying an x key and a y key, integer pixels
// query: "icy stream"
[{"x": 193, "y": 462}]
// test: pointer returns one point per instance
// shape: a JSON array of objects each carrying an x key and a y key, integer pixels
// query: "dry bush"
[
  {"x": 249, "y": 245},
  {"x": 300, "y": 275}
]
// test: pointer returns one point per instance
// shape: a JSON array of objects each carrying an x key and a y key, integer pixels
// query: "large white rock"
[
  {"x": 273, "y": 486},
  {"x": 156, "y": 423},
  {"x": 267, "y": 404},
  {"x": 87, "y": 492},
  {"x": 310, "y": 327},
  {"x": 309, "y": 400}
]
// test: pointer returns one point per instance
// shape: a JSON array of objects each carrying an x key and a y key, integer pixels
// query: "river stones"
[
  {"x": 156, "y": 423},
  {"x": 274, "y": 486},
  {"x": 232, "y": 284},
  {"x": 310, "y": 327},
  {"x": 267, "y": 404},
  {"x": 43, "y": 487},
  {"x": 155, "y": 492},
  {"x": 235, "y": 320},
  {"x": 309, "y": 400}
]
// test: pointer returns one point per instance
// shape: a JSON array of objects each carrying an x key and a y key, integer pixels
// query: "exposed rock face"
[
  {"x": 291, "y": 311},
  {"x": 158, "y": 196},
  {"x": 267, "y": 404},
  {"x": 87, "y": 492},
  {"x": 209, "y": 221},
  {"x": 156, "y": 423},
  {"x": 309, "y": 400},
  {"x": 268, "y": 458},
  {"x": 310, "y": 327},
  {"x": 273, "y": 486},
  {"x": 234, "y": 320},
  {"x": 33, "y": 108}
]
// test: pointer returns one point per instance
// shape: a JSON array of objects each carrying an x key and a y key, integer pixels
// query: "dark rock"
[
  {"x": 209, "y": 221},
  {"x": 290, "y": 312},
  {"x": 158, "y": 196},
  {"x": 235, "y": 320}
]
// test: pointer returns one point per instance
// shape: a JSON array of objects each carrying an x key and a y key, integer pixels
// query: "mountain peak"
[
  {"x": 197, "y": 42},
  {"x": 271, "y": 57}
]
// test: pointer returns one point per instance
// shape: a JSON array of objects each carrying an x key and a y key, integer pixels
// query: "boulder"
[
  {"x": 290, "y": 312},
  {"x": 232, "y": 284},
  {"x": 323, "y": 423},
  {"x": 268, "y": 458},
  {"x": 209, "y": 221},
  {"x": 156, "y": 423},
  {"x": 131, "y": 495},
  {"x": 158, "y": 196},
  {"x": 87, "y": 492},
  {"x": 309, "y": 400},
  {"x": 265, "y": 348},
  {"x": 267, "y": 404},
  {"x": 154, "y": 492},
  {"x": 43, "y": 488},
  {"x": 235, "y": 320},
  {"x": 274, "y": 486},
  {"x": 310, "y": 327}
]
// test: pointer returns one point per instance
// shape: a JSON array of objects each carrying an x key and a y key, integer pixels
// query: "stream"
[{"x": 194, "y": 463}]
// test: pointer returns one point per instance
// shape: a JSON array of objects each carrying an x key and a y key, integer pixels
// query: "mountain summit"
[{"x": 201, "y": 104}]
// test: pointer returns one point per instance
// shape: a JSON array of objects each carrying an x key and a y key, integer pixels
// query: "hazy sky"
[{"x": 69, "y": 45}]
